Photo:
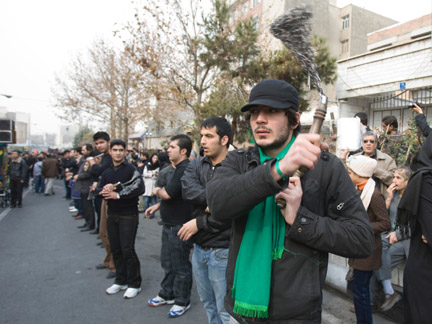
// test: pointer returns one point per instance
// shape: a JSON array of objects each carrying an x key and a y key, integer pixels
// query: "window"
[
  {"x": 345, "y": 22},
  {"x": 345, "y": 46},
  {"x": 255, "y": 3},
  {"x": 255, "y": 22}
]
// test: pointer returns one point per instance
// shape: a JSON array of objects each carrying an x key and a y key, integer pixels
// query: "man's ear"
[
  {"x": 224, "y": 140},
  {"x": 183, "y": 151},
  {"x": 298, "y": 121}
]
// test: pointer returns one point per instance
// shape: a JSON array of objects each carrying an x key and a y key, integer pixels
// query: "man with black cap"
[{"x": 278, "y": 258}]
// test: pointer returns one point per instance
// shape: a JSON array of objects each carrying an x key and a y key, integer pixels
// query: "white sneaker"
[
  {"x": 131, "y": 292},
  {"x": 177, "y": 310},
  {"x": 159, "y": 301},
  {"x": 73, "y": 210},
  {"x": 114, "y": 289}
]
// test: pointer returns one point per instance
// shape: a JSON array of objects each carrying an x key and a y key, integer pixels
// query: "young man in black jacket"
[
  {"x": 120, "y": 185},
  {"x": 17, "y": 173},
  {"x": 177, "y": 283},
  {"x": 278, "y": 258},
  {"x": 211, "y": 237},
  {"x": 102, "y": 144}
]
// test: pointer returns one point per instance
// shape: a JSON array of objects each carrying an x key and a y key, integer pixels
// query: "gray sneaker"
[{"x": 390, "y": 301}]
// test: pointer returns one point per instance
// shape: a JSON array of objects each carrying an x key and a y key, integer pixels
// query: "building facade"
[{"x": 395, "y": 70}]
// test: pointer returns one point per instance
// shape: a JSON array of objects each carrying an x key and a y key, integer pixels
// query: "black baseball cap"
[{"x": 273, "y": 93}]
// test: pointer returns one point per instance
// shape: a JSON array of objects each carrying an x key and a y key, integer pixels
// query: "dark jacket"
[
  {"x": 17, "y": 170},
  {"x": 380, "y": 222},
  {"x": 422, "y": 124},
  {"x": 84, "y": 181},
  {"x": 50, "y": 168},
  {"x": 97, "y": 169},
  {"x": 211, "y": 233},
  {"x": 331, "y": 218},
  {"x": 130, "y": 187}
]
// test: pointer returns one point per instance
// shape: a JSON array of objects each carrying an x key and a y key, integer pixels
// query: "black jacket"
[
  {"x": 211, "y": 233},
  {"x": 331, "y": 218},
  {"x": 17, "y": 170},
  {"x": 422, "y": 124},
  {"x": 131, "y": 186},
  {"x": 82, "y": 185}
]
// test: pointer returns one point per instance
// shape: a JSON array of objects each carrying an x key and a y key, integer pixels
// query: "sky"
[{"x": 38, "y": 38}]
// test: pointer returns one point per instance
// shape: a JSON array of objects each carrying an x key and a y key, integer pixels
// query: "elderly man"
[
  {"x": 395, "y": 245},
  {"x": 383, "y": 176},
  {"x": 278, "y": 257}
]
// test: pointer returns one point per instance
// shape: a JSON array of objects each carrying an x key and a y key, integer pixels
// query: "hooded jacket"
[{"x": 331, "y": 218}]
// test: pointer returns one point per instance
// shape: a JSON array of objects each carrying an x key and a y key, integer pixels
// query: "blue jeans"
[
  {"x": 209, "y": 267},
  {"x": 177, "y": 282},
  {"x": 360, "y": 290},
  {"x": 39, "y": 184},
  {"x": 148, "y": 202}
]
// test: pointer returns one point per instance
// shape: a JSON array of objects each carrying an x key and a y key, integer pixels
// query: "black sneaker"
[
  {"x": 12, "y": 206},
  {"x": 19, "y": 205}
]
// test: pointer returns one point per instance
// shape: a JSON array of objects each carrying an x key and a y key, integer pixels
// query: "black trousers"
[
  {"x": 121, "y": 234},
  {"x": 97, "y": 206},
  {"x": 16, "y": 188},
  {"x": 88, "y": 210}
]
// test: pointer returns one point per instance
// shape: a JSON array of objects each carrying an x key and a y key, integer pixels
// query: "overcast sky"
[{"x": 39, "y": 37}]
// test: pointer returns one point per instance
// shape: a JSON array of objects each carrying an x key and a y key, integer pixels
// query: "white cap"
[{"x": 362, "y": 165}]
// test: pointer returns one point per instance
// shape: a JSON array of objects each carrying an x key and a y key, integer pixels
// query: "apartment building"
[{"x": 395, "y": 70}]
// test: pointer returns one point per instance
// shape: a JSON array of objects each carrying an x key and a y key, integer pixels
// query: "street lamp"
[{"x": 5, "y": 95}]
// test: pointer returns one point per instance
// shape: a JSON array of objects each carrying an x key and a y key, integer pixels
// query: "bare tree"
[{"x": 106, "y": 86}]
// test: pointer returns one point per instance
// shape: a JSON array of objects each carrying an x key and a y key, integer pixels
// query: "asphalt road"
[{"x": 48, "y": 275}]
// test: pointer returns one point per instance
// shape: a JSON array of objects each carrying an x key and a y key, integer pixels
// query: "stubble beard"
[{"x": 279, "y": 142}]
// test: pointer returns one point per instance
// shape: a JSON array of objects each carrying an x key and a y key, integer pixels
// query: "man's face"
[
  {"x": 211, "y": 142},
  {"x": 14, "y": 155},
  {"x": 270, "y": 127},
  {"x": 386, "y": 128},
  {"x": 354, "y": 177},
  {"x": 174, "y": 152},
  {"x": 101, "y": 145},
  {"x": 118, "y": 153},
  {"x": 369, "y": 144},
  {"x": 399, "y": 181},
  {"x": 84, "y": 151},
  {"x": 66, "y": 155}
]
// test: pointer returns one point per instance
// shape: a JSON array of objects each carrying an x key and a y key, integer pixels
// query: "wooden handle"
[{"x": 317, "y": 122}]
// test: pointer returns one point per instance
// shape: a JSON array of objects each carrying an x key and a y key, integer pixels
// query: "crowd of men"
[{"x": 254, "y": 260}]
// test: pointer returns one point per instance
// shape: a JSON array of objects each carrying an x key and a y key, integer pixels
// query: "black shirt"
[
  {"x": 97, "y": 169},
  {"x": 176, "y": 211},
  {"x": 130, "y": 187}
]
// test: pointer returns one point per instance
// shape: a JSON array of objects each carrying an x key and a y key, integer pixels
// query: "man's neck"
[
  {"x": 116, "y": 164},
  {"x": 369, "y": 154},
  {"x": 401, "y": 192},
  {"x": 178, "y": 162},
  {"x": 218, "y": 159}
]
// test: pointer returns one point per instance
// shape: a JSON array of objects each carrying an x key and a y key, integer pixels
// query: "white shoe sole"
[
  {"x": 113, "y": 292},
  {"x": 132, "y": 296}
]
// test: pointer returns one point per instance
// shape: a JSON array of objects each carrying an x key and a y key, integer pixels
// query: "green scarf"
[{"x": 263, "y": 242}]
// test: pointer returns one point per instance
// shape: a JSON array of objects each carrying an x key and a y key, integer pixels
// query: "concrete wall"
[
  {"x": 383, "y": 71},
  {"x": 363, "y": 22}
]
